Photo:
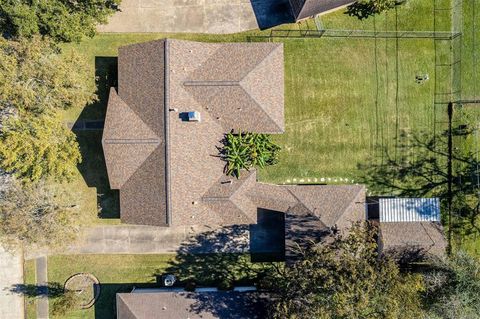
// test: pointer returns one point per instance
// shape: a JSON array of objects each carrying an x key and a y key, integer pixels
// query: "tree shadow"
[
  {"x": 230, "y": 304},
  {"x": 270, "y": 13},
  {"x": 51, "y": 290},
  {"x": 419, "y": 168},
  {"x": 88, "y": 129},
  {"x": 217, "y": 258},
  {"x": 361, "y": 10}
]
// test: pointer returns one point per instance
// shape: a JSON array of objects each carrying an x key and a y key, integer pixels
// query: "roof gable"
[
  {"x": 242, "y": 87},
  {"x": 330, "y": 203},
  {"x": 127, "y": 141}
]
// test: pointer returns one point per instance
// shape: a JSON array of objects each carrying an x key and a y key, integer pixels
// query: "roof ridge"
[
  {"x": 428, "y": 234},
  {"x": 241, "y": 81},
  {"x": 350, "y": 204},
  {"x": 300, "y": 201}
]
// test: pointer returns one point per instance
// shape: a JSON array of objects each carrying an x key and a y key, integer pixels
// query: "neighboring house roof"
[
  {"x": 204, "y": 305},
  {"x": 409, "y": 209},
  {"x": 303, "y": 9},
  {"x": 234, "y": 86},
  {"x": 412, "y": 239}
]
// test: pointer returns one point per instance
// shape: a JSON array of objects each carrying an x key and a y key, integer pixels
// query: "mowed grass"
[
  {"x": 348, "y": 100},
  {"x": 29, "y": 278},
  {"x": 116, "y": 273},
  {"x": 119, "y": 273}
]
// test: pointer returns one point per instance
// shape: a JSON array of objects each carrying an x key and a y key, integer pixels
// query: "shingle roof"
[
  {"x": 318, "y": 209},
  {"x": 427, "y": 237},
  {"x": 233, "y": 86},
  {"x": 183, "y": 305},
  {"x": 302, "y": 9},
  {"x": 125, "y": 133},
  {"x": 134, "y": 134}
]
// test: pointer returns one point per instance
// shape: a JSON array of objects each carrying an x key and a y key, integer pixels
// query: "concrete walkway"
[
  {"x": 129, "y": 239},
  {"x": 42, "y": 281},
  {"x": 11, "y": 274},
  {"x": 197, "y": 16}
]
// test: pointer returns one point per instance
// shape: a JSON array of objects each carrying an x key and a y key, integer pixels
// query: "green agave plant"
[{"x": 247, "y": 150}]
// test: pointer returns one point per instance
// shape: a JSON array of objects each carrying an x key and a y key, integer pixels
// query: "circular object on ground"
[{"x": 86, "y": 287}]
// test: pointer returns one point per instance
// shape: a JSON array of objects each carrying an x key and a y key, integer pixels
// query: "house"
[
  {"x": 205, "y": 303},
  {"x": 174, "y": 104},
  {"x": 303, "y": 9},
  {"x": 166, "y": 166}
]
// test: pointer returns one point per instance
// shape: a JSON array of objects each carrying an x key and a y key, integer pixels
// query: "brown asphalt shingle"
[
  {"x": 134, "y": 137},
  {"x": 196, "y": 74},
  {"x": 183, "y": 305},
  {"x": 427, "y": 237},
  {"x": 158, "y": 174},
  {"x": 302, "y": 9}
]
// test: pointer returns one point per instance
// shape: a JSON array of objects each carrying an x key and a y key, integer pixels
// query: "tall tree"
[
  {"x": 37, "y": 147},
  {"x": 36, "y": 216},
  {"x": 345, "y": 278},
  {"x": 453, "y": 288},
  {"x": 62, "y": 20},
  {"x": 36, "y": 81},
  {"x": 36, "y": 78}
]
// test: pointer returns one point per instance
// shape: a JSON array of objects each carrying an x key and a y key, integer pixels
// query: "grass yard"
[
  {"x": 29, "y": 279},
  {"x": 346, "y": 101},
  {"x": 120, "y": 273},
  {"x": 116, "y": 273}
]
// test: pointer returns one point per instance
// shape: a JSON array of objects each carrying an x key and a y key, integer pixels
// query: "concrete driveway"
[{"x": 197, "y": 16}]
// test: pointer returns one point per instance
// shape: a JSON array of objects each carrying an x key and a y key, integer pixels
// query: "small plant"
[{"x": 247, "y": 150}]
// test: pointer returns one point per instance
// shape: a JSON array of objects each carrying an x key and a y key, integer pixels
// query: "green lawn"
[
  {"x": 116, "y": 273},
  {"x": 29, "y": 279},
  {"x": 120, "y": 273}
]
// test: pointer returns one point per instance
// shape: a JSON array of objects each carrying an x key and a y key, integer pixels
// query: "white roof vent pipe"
[{"x": 194, "y": 116}]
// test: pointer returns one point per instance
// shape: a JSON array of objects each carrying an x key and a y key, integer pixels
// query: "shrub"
[{"x": 247, "y": 150}]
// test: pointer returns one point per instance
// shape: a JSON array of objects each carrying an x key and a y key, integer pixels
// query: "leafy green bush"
[
  {"x": 247, "y": 150},
  {"x": 64, "y": 21}
]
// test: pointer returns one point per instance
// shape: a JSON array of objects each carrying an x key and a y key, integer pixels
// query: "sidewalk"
[
  {"x": 11, "y": 273},
  {"x": 42, "y": 281}
]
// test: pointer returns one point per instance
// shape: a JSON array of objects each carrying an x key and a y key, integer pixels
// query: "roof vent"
[{"x": 194, "y": 116}]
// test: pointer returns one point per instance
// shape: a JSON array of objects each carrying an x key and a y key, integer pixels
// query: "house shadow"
[
  {"x": 106, "y": 306},
  {"x": 89, "y": 128},
  {"x": 270, "y": 13},
  {"x": 267, "y": 236}
]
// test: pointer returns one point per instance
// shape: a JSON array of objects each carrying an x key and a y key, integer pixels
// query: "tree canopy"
[
  {"x": 453, "y": 288},
  {"x": 36, "y": 82},
  {"x": 35, "y": 216},
  {"x": 37, "y": 147},
  {"x": 345, "y": 278},
  {"x": 64, "y": 21},
  {"x": 36, "y": 78}
]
